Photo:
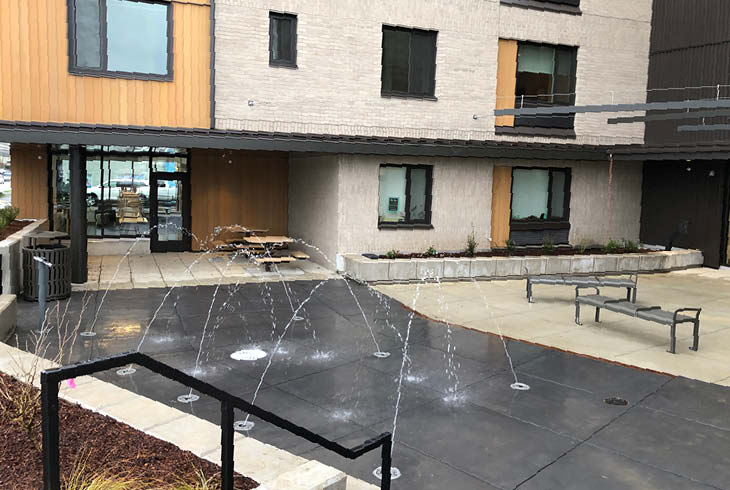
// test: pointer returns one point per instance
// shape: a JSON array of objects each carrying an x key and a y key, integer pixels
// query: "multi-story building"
[{"x": 359, "y": 126}]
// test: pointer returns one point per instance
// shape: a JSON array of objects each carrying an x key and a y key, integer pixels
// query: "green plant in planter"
[
  {"x": 630, "y": 246},
  {"x": 471, "y": 243},
  {"x": 510, "y": 246},
  {"x": 548, "y": 244},
  {"x": 430, "y": 252},
  {"x": 8, "y": 215},
  {"x": 392, "y": 254},
  {"x": 612, "y": 246}
]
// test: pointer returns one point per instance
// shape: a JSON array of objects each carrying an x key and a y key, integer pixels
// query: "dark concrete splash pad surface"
[{"x": 673, "y": 433}]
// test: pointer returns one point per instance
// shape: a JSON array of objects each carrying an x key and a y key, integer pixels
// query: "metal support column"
[
  {"x": 49, "y": 410},
  {"x": 79, "y": 260}
]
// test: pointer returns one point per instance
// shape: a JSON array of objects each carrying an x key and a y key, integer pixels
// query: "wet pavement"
[{"x": 460, "y": 425}]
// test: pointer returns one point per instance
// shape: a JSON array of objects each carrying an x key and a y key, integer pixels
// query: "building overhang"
[
  {"x": 88, "y": 134},
  {"x": 698, "y": 151}
]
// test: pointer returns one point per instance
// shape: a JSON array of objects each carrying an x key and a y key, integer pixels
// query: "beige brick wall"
[{"x": 336, "y": 88}]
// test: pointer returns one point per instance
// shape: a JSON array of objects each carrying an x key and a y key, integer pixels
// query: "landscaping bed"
[
  {"x": 13, "y": 227},
  {"x": 517, "y": 252},
  {"x": 93, "y": 445}
]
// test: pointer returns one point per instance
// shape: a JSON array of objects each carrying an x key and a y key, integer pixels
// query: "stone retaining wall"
[{"x": 453, "y": 269}]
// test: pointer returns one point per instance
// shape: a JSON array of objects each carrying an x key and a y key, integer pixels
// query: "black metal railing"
[{"x": 51, "y": 378}]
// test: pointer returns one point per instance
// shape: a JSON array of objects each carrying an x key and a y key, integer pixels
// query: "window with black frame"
[
  {"x": 409, "y": 62},
  {"x": 545, "y": 78},
  {"x": 282, "y": 39},
  {"x": 404, "y": 195},
  {"x": 121, "y": 38},
  {"x": 540, "y": 195}
]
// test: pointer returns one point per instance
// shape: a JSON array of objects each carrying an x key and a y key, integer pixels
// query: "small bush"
[
  {"x": 630, "y": 246},
  {"x": 8, "y": 215},
  {"x": 510, "y": 245},
  {"x": 612, "y": 246},
  {"x": 471, "y": 243},
  {"x": 392, "y": 254},
  {"x": 548, "y": 244},
  {"x": 430, "y": 252}
]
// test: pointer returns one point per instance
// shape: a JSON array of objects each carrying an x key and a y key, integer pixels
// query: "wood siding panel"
[
  {"x": 36, "y": 84},
  {"x": 29, "y": 180},
  {"x": 506, "y": 80},
  {"x": 501, "y": 202},
  {"x": 238, "y": 187}
]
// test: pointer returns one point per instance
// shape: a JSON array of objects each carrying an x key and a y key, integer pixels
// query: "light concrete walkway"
[
  {"x": 189, "y": 269},
  {"x": 273, "y": 468},
  {"x": 495, "y": 306}
]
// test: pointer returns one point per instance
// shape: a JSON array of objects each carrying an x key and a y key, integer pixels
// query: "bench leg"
[
  {"x": 673, "y": 339},
  {"x": 696, "y": 333},
  {"x": 633, "y": 297},
  {"x": 598, "y": 315},
  {"x": 267, "y": 267},
  {"x": 628, "y": 294},
  {"x": 529, "y": 292},
  {"x": 577, "y": 314}
]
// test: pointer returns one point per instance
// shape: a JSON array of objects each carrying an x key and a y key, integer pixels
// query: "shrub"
[
  {"x": 630, "y": 246},
  {"x": 548, "y": 244},
  {"x": 430, "y": 252},
  {"x": 510, "y": 245},
  {"x": 8, "y": 215},
  {"x": 612, "y": 246},
  {"x": 471, "y": 243},
  {"x": 392, "y": 254}
]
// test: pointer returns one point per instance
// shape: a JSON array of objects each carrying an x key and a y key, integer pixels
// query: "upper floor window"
[
  {"x": 405, "y": 195},
  {"x": 126, "y": 38},
  {"x": 282, "y": 39},
  {"x": 564, "y": 6},
  {"x": 409, "y": 62}
]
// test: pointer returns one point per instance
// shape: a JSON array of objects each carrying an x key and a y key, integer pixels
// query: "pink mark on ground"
[{"x": 71, "y": 383}]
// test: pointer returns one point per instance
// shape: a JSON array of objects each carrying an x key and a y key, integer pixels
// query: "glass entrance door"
[{"x": 170, "y": 212}]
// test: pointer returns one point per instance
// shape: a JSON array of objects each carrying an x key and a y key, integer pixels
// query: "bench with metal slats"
[
  {"x": 585, "y": 281},
  {"x": 650, "y": 313}
]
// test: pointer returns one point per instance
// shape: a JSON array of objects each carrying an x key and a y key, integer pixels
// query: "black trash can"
[{"x": 59, "y": 274}]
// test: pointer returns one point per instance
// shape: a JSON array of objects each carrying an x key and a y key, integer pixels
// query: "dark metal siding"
[{"x": 690, "y": 47}]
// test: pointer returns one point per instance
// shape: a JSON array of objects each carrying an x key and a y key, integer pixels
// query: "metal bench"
[
  {"x": 586, "y": 281},
  {"x": 650, "y": 313}
]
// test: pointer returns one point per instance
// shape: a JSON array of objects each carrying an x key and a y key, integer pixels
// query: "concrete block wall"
[{"x": 336, "y": 87}]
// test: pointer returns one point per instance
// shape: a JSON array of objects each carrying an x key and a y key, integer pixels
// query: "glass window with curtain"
[
  {"x": 122, "y": 37},
  {"x": 404, "y": 194},
  {"x": 282, "y": 39},
  {"x": 540, "y": 194},
  {"x": 408, "y": 62},
  {"x": 545, "y": 78}
]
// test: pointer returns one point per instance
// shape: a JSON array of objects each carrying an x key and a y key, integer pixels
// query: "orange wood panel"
[
  {"x": 29, "y": 180},
  {"x": 251, "y": 190},
  {"x": 506, "y": 80},
  {"x": 501, "y": 202},
  {"x": 36, "y": 84}
]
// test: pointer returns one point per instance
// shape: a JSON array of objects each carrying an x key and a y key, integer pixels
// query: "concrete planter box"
[
  {"x": 402, "y": 270},
  {"x": 534, "y": 266},
  {"x": 457, "y": 268},
  {"x": 483, "y": 267},
  {"x": 8, "y": 316},
  {"x": 12, "y": 262},
  {"x": 508, "y": 266},
  {"x": 558, "y": 265},
  {"x": 411, "y": 270}
]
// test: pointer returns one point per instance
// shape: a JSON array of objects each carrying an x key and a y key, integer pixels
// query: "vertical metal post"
[
  {"x": 42, "y": 291},
  {"x": 386, "y": 462},
  {"x": 79, "y": 260},
  {"x": 49, "y": 425},
  {"x": 226, "y": 445}
]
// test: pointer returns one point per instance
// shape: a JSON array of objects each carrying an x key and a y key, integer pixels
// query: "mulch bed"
[
  {"x": 518, "y": 252},
  {"x": 13, "y": 227},
  {"x": 106, "y": 444}
]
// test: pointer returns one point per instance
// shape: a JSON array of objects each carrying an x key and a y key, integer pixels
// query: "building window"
[
  {"x": 124, "y": 38},
  {"x": 540, "y": 194},
  {"x": 545, "y": 78},
  {"x": 409, "y": 62},
  {"x": 282, "y": 39},
  {"x": 405, "y": 195},
  {"x": 564, "y": 6}
]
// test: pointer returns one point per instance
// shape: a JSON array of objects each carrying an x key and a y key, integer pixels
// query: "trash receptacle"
[{"x": 59, "y": 274}]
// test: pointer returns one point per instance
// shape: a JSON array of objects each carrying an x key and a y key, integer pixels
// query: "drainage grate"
[{"x": 614, "y": 400}]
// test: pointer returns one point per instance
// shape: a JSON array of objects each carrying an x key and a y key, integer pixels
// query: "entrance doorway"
[{"x": 170, "y": 212}]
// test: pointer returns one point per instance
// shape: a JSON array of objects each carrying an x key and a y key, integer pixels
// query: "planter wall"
[
  {"x": 463, "y": 269},
  {"x": 12, "y": 263}
]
